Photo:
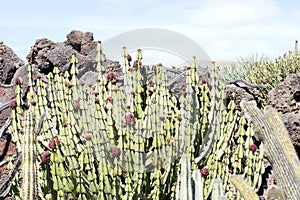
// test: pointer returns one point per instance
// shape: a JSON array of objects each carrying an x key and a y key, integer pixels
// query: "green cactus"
[
  {"x": 271, "y": 130},
  {"x": 133, "y": 141},
  {"x": 244, "y": 188}
]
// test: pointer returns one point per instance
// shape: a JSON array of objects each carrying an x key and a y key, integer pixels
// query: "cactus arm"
[
  {"x": 281, "y": 134},
  {"x": 198, "y": 184},
  {"x": 185, "y": 178},
  {"x": 286, "y": 172},
  {"x": 5, "y": 185},
  {"x": 218, "y": 190},
  {"x": 209, "y": 137},
  {"x": 243, "y": 187},
  {"x": 29, "y": 167}
]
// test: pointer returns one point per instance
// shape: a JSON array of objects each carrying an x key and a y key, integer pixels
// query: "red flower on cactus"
[
  {"x": 51, "y": 144},
  {"x": 96, "y": 100},
  {"x": 162, "y": 118},
  {"x": 64, "y": 125},
  {"x": 54, "y": 142},
  {"x": 76, "y": 106},
  {"x": 129, "y": 59},
  {"x": 116, "y": 151},
  {"x": 129, "y": 120},
  {"x": 68, "y": 84},
  {"x": 45, "y": 157},
  {"x": 88, "y": 137},
  {"x": 204, "y": 171},
  {"x": 55, "y": 64},
  {"x": 33, "y": 102},
  {"x": 137, "y": 63},
  {"x": 38, "y": 77},
  {"x": 109, "y": 98},
  {"x": 130, "y": 69},
  {"x": 238, "y": 108},
  {"x": 110, "y": 76},
  {"x": 13, "y": 103},
  {"x": 204, "y": 80},
  {"x": 18, "y": 81},
  {"x": 96, "y": 93},
  {"x": 169, "y": 141},
  {"x": 115, "y": 174},
  {"x": 179, "y": 118},
  {"x": 253, "y": 147}
]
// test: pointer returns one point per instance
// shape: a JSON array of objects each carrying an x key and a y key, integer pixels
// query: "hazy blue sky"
[{"x": 225, "y": 29}]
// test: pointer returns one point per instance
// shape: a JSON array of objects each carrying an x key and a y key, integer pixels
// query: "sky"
[{"x": 225, "y": 29}]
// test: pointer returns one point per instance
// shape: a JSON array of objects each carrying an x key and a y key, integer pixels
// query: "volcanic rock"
[
  {"x": 9, "y": 63},
  {"x": 285, "y": 98}
]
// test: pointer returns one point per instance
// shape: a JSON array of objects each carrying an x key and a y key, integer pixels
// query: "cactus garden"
[{"x": 134, "y": 138}]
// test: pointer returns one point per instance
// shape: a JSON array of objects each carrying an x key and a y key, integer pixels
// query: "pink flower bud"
[
  {"x": 13, "y": 103},
  {"x": 45, "y": 157},
  {"x": 204, "y": 171},
  {"x": 129, "y": 59},
  {"x": 253, "y": 147},
  {"x": 33, "y": 102},
  {"x": 88, "y": 137},
  {"x": 162, "y": 118},
  {"x": 18, "y": 81},
  {"x": 96, "y": 100},
  {"x": 110, "y": 76},
  {"x": 109, "y": 98},
  {"x": 116, "y": 151},
  {"x": 129, "y": 120}
]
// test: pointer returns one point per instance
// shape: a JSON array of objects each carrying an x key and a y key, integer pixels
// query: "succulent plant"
[{"x": 134, "y": 141}]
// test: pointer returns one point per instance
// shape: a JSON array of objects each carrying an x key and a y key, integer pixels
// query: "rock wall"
[{"x": 285, "y": 97}]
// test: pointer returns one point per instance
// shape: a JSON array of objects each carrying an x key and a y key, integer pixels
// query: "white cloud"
[{"x": 232, "y": 13}]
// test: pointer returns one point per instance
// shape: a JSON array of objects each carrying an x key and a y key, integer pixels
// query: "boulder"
[
  {"x": 285, "y": 98},
  {"x": 9, "y": 63},
  {"x": 82, "y": 42},
  {"x": 243, "y": 92},
  {"x": 45, "y": 53},
  {"x": 38, "y": 51}
]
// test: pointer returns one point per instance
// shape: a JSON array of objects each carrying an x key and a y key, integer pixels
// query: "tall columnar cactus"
[
  {"x": 280, "y": 152},
  {"x": 29, "y": 162},
  {"x": 243, "y": 187}
]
